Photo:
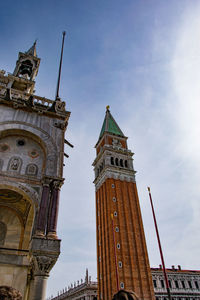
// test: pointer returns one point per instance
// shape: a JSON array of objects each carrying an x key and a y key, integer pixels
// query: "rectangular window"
[
  {"x": 162, "y": 283},
  {"x": 196, "y": 284},
  {"x": 176, "y": 284},
  {"x": 155, "y": 283},
  {"x": 170, "y": 284},
  {"x": 183, "y": 284},
  {"x": 190, "y": 284}
]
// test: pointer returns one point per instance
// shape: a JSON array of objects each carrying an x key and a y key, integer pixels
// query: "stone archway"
[
  {"x": 17, "y": 213},
  {"x": 9, "y": 293}
]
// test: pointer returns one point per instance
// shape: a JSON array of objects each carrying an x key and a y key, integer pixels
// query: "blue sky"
[{"x": 143, "y": 59}]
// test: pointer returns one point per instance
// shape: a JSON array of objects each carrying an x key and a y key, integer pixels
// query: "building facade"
[
  {"x": 184, "y": 285},
  {"x": 80, "y": 290},
  {"x": 122, "y": 258},
  {"x": 32, "y": 132}
]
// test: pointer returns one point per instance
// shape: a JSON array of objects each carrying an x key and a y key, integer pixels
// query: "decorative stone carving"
[
  {"x": 33, "y": 153},
  {"x": 4, "y": 147},
  {"x": 15, "y": 164},
  {"x": 57, "y": 184},
  {"x": 116, "y": 144},
  {"x": 7, "y": 292},
  {"x": 59, "y": 106},
  {"x": 46, "y": 181},
  {"x": 44, "y": 264},
  {"x": 45, "y": 253},
  {"x": 61, "y": 125},
  {"x": 51, "y": 163},
  {"x": 31, "y": 169}
]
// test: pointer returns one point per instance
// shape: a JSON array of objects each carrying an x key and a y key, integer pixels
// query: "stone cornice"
[
  {"x": 30, "y": 102},
  {"x": 112, "y": 172}
]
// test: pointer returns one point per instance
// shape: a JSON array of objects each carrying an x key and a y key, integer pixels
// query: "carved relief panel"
[{"x": 22, "y": 155}]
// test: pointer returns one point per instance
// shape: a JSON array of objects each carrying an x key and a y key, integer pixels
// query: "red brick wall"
[{"x": 135, "y": 272}]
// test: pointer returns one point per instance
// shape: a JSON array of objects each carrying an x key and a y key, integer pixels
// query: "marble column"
[
  {"x": 53, "y": 212},
  {"x": 44, "y": 254},
  {"x": 42, "y": 216},
  {"x": 39, "y": 288},
  {"x": 42, "y": 264}
]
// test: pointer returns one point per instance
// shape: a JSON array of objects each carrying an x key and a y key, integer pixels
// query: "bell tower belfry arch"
[{"x": 32, "y": 130}]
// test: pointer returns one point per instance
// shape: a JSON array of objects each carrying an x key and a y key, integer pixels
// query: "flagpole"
[
  {"x": 160, "y": 248},
  {"x": 116, "y": 269}
]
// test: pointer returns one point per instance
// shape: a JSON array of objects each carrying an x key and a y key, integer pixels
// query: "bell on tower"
[{"x": 26, "y": 70}]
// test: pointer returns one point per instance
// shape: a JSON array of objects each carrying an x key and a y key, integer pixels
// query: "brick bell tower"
[
  {"x": 122, "y": 258},
  {"x": 32, "y": 130}
]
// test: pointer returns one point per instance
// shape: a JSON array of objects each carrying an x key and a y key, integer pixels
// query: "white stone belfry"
[{"x": 32, "y": 131}]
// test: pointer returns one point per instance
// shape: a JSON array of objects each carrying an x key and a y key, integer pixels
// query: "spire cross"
[{"x": 60, "y": 67}]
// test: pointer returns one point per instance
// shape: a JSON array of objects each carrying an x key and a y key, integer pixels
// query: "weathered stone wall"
[{"x": 14, "y": 276}]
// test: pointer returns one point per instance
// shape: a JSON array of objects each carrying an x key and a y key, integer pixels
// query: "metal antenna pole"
[
  {"x": 160, "y": 248},
  {"x": 60, "y": 67}
]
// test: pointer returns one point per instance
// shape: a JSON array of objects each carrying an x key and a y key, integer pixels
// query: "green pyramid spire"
[{"x": 110, "y": 125}]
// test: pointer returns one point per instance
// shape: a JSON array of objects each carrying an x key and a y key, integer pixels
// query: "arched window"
[
  {"x": 3, "y": 230},
  {"x": 116, "y": 161},
  {"x": 126, "y": 164},
  {"x": 26, "y": 68},
  {"x": 121, "y": 163},
  {"x": 112, "y": 160}
]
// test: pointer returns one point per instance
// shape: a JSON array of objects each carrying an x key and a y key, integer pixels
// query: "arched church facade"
[{"x": 32, "y": 130}]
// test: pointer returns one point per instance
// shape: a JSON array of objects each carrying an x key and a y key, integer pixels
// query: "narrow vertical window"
[
  {"x": 112, "y": 160},
  {"x": 154, "y": 283},
  {"x": 162, "y": 283},
  {"x": 183, "y": 284},
  {"x": 170, "y": 284},
  {"x": 176, "y": 284},
  {"x": 190, "y": 284},
  {"x": 121, "y": 163}
]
